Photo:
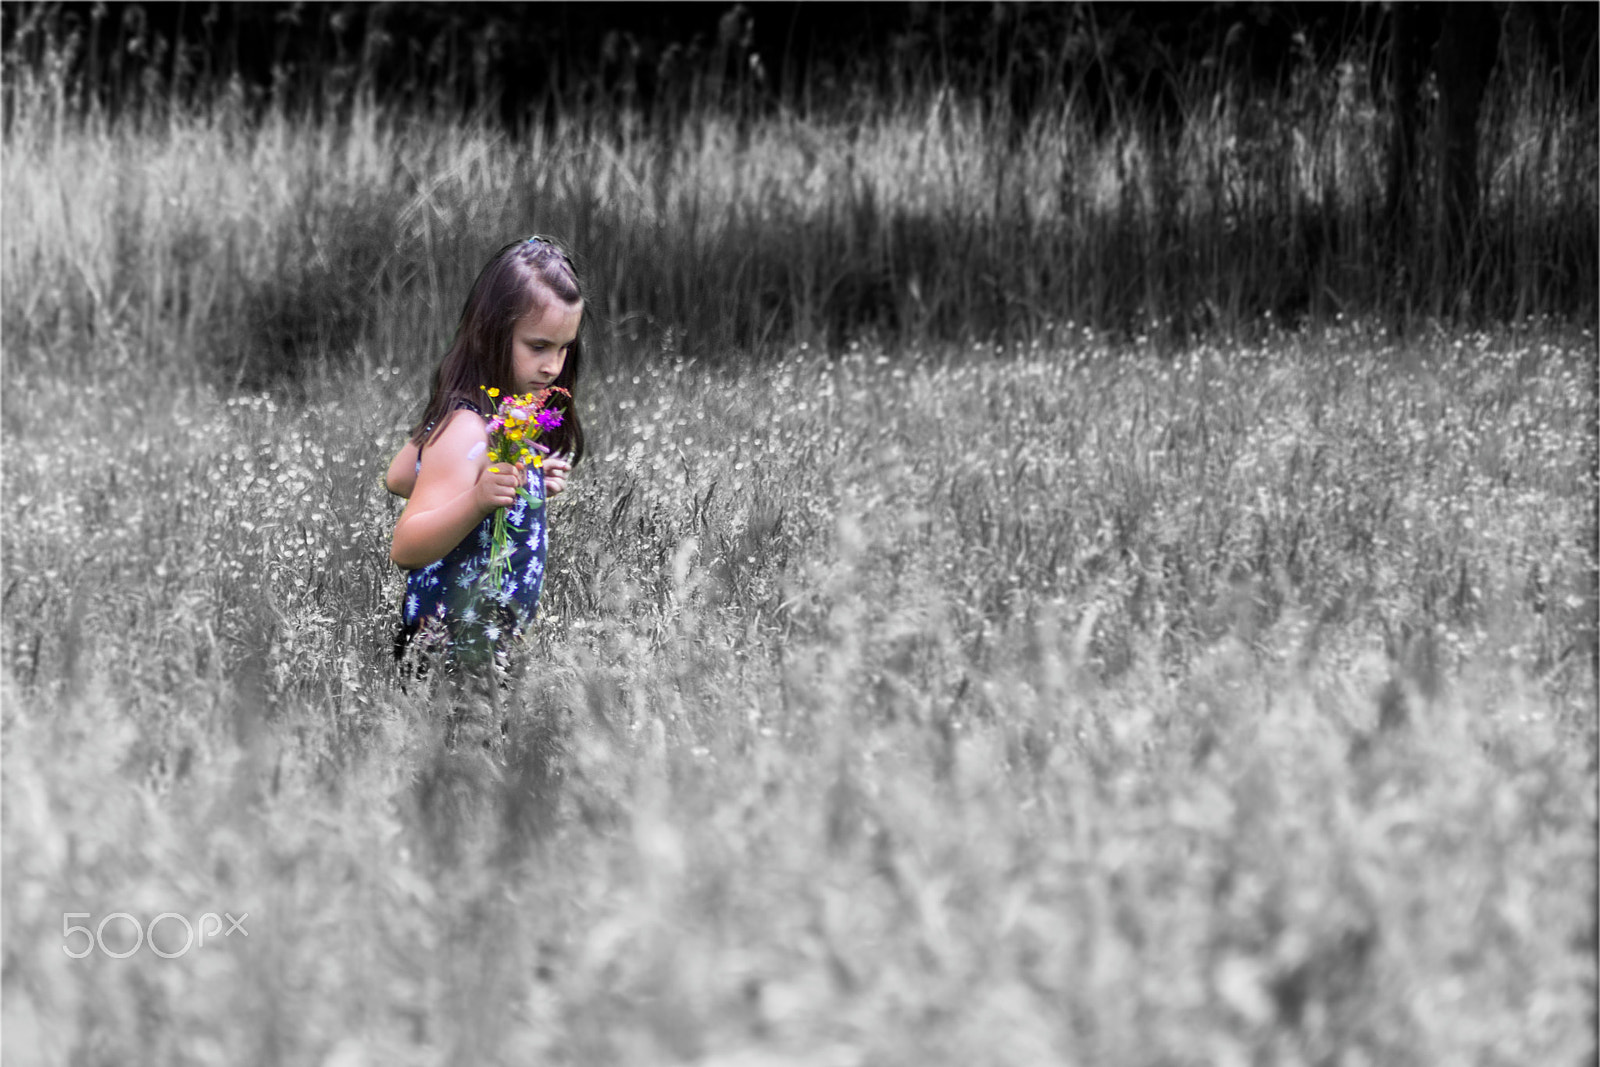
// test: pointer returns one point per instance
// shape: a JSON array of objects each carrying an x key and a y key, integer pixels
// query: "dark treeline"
[
  {"x": 1446, "y": 89},
  {"x": 516, "y": 60}
]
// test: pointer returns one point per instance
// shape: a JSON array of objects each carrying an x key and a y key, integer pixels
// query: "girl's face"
[{"x": 540, "y": 341}]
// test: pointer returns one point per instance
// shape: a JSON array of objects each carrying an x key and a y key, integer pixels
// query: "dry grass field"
[{"x": 1053, "y": 707}]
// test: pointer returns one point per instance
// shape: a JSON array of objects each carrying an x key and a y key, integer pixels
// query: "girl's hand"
[
  {"x": 556, "y": 469},
  {"x": 498, "y": 484}
]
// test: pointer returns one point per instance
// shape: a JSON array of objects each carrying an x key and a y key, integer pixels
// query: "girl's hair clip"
[{"x": 550, "y": 243}]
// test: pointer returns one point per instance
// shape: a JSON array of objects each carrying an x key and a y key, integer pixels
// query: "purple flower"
[{"x": 549, "y": 420}]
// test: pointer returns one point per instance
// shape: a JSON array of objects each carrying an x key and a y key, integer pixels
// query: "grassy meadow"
[{"x": 1102, "y": 696}]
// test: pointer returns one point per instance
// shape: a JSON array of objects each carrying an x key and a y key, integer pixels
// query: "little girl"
[{"x": 519, "y": 333}]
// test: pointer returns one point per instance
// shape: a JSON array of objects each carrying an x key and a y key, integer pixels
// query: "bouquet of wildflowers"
[{"x": 513, "y": 438}]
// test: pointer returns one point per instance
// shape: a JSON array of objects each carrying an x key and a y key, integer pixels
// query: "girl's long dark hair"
[{"x": 522, "y": 276}]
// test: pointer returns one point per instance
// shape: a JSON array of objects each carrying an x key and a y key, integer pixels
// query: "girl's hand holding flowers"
[
  {"x": 513, "y": 445},
  {"x": 498, "y": 485}
]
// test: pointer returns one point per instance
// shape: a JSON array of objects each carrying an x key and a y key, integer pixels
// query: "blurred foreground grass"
[{"x": 1070, "y": 706}]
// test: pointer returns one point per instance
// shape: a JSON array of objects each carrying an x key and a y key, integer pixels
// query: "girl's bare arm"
[{"x": 455, "y": 489}]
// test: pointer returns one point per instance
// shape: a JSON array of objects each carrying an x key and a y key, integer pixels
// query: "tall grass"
[
  {"x": 262, "y": 238},
  {"x": 1079, "y": 705}
]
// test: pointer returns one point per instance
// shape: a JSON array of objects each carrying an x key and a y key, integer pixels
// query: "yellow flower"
[
  {"x": 538, "y": 461},
  {"x": 514, "y": 433},
  {"x": 494, "y": 392}
]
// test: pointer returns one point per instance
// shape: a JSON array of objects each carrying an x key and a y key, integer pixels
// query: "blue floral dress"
[{"x": 447, "y": 596}]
